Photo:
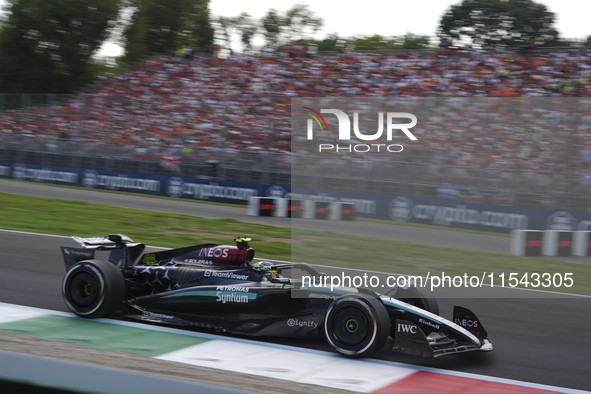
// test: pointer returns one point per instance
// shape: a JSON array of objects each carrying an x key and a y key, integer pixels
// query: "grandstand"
[{"x": 480, "y": 125}]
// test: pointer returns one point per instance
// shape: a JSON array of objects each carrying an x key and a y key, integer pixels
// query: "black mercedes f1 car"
[{"x": 224, "y": 288}]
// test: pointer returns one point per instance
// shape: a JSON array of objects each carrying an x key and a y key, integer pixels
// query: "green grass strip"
[
  {"x": 61, "y": 217},
  {"x": 102, "y": 336}
]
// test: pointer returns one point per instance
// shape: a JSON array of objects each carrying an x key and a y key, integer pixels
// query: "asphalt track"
[{"x": 543, "y": 339}]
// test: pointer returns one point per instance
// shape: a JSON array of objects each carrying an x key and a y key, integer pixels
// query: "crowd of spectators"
[{"x": 486, "y": 110}]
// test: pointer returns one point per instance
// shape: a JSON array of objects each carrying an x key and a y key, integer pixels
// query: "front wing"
[{"x": 421, "y": 333}]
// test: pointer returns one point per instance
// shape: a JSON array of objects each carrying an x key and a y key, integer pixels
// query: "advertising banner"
[{"x": 441, "y": 212}]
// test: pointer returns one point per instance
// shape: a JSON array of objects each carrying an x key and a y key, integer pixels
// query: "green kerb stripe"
[{"x": 103, "y": 336}]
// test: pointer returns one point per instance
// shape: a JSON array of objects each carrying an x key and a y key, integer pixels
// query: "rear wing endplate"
[{"x": 119, "y": 245}]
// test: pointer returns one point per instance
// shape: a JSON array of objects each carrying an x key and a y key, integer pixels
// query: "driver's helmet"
[{"x": 267, "y": 268}]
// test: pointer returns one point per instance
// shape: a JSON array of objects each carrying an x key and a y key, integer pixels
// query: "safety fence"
[{"x": 529, "y": 189}]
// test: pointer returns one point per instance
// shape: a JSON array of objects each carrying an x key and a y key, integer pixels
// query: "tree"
[
  {"x": 375, "y": 43},
  {"x": 247, "y": 28},
  {"x": 497, "y": 23},
  {"x": 297, "y": 23},
  {"x": 223, "y": 29},
  {"x": 381, "y": 43},
  {"x": 415, "y": 41},
  {"x": 161, "y": 26},
  {"x": 331, "y": 42},
  {"x": 271, "y": 23},
  {"x": 47, "y": 46}
]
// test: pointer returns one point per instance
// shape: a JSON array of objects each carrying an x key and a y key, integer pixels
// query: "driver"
[{"x": 267, "y": 268}]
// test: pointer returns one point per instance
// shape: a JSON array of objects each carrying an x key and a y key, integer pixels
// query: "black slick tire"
[
  {"x": 93, "y": 288},
  {"x": 356, "y": 325}
]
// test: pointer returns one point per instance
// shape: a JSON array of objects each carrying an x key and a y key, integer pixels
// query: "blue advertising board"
[
  {"x": 448, "y": 191},
  {"x": 449, "y": 213},
  {"x": 157, "y": 185}
]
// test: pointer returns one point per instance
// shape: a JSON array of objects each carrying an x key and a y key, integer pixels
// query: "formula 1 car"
[{"x": 223, "y": 288}]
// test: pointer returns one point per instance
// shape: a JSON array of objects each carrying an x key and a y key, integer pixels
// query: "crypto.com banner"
[{"x": 395, "y": 146}]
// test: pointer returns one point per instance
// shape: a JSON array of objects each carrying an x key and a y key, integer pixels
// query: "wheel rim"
[
  {"x": 351, "y": 326},
  {"x": 84, "y": 290}
]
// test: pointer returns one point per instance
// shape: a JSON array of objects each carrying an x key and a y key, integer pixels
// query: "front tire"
[
  {"x": 93, "y": 288},
  {"x": 415, "y": 297},
  {"x": 356, "y": 325}
]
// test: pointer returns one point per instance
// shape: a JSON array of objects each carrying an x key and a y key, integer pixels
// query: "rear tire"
[
  {"x": 93, "y": 288},
  {"x": 357, "y": 325}
]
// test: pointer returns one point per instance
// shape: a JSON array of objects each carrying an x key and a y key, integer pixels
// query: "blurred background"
[
  {"x": 193, "y": 88},
  {"x": 193, "y": 98}
]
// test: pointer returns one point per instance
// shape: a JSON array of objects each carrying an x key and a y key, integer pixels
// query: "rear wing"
[
  {"x": 113, "y": 241},
  {"x": 119, "y": 245}
]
